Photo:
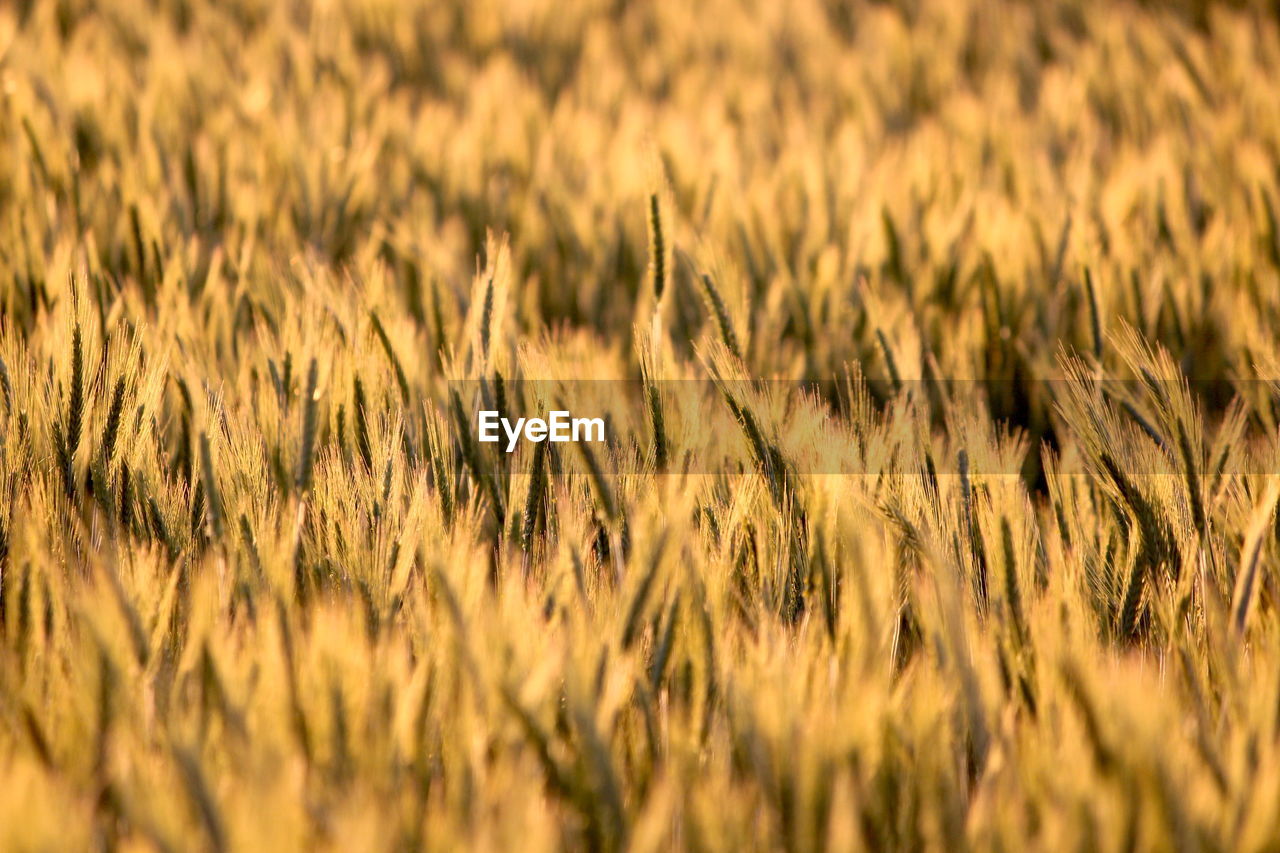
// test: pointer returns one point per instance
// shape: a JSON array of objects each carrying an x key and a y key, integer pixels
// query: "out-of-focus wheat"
[{"x": 1028, "y": 254}]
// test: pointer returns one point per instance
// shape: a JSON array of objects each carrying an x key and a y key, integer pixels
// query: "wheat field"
[{"x": 937, "y": 510}]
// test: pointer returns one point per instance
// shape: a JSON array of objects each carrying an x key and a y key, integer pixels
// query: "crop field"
[{"x": 935, "y": 348}]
